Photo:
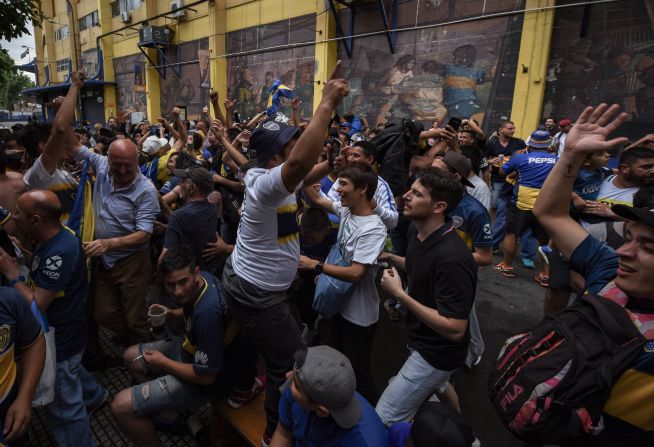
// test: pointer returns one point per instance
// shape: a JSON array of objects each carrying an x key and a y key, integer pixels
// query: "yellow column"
[
  {"x": 325, "y": 53},
  {"x": 218, "y": 65},
  {"x": 532, "y": 67},
  {"x": 152, "y": 86}
]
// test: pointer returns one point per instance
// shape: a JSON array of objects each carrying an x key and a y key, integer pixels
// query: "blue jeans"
[
  {"x": 416, "y": 381},
  {"x": 527, "y": 242},
  {"x": 67, "y": 417}
]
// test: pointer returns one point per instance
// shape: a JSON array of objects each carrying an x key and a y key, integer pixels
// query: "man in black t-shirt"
[
  {"x": 442, "y": 277},
  {"x": 498, "y": 151},
  {"x": 194, "y": 224}
]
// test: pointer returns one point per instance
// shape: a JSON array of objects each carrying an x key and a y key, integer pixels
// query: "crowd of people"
[{"x": 272, "y": 239}]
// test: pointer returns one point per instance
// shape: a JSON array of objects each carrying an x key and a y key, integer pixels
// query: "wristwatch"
[
  {"x": 15, "y": 281},
  {"x": 318, "y": 267}
]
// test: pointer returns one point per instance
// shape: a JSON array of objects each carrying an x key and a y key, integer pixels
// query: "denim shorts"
[
  {"x": 168, "y": 392},
  {"x": 416, "y": 381}
]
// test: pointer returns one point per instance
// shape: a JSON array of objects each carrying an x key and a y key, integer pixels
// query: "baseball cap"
[
  {"x": 327, "y": 377},
  {"x": 269, "y": 140},
  {"x": 564, "y": 122},
  {"x": 540, "y": 139},
  {"x": 5, "y": 215},
  {"x": 437, "y": 423},
  {"x": 199, "y": 175},
  {"x": 636, "y": 214},
  {"x": 460, "y": 164},
  {"x": 152, "y": 144}
]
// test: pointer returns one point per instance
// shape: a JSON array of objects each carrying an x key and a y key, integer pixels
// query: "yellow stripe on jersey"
[
  {"x": 7, "y": 372},
  {"x": 466, "y": 238},
  {"x": 631, "y": 399},
  {"x": 527, "y": 197}
]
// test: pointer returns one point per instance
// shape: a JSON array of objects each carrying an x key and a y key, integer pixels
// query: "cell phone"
[
  {"x": 6, "y": 244},
  {"x": 454, "y": 123},
  {"x": 335, "y": 151}
]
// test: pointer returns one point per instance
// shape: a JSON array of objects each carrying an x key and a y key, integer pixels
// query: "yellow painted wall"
[
  {"x": 325, "y": 53},
  {"x": 247, "y": 14},
  {"x": 529, "y": 90}
]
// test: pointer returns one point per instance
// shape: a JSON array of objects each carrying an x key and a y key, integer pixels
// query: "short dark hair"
[
  {"x": 443, "y": 186},
  {"x": 178, "y": 258},
  {"x": 369, "y": 148},
  {"x": 470, "y": 132},
  {"x": 631, "y": 156},
  {"x": 362, "y": 176},
  {"x": 32, "y": 135},
  {"x": 314, "y": 219},
  {"x": 644, "y": 197},
  {"x": 503, "y": 124},
  {"x": 474, "y": 155}
]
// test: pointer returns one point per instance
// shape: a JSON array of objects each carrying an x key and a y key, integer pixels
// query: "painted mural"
[
  {"x": 129, "y": 78},
  {"x": 464, "y": 70},
  {"x": 603, "y": 53},
  {"x": 249, "y": 76},
  {"x": 189, "y": 86}
]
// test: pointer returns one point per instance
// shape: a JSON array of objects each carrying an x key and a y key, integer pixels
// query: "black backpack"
[{"x": 549, "y": 384}]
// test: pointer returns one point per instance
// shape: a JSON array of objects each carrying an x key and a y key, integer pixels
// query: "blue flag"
[{"x": 276, "y": 91}]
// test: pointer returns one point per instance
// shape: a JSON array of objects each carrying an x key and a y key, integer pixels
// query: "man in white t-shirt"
[
  {"x": 361, "y": 236},
  {"x": 46, "y": 172},
  {"x": 265, "y": 257}
]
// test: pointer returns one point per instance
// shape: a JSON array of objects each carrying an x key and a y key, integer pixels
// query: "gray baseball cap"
[{"x": 327, "y": 377}]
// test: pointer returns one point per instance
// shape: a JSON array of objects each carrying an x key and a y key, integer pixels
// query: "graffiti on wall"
[
  {"x": 463, "y": 70},
  {"x": 249, "y": 77},
  {"x": 606, "y": 56}
]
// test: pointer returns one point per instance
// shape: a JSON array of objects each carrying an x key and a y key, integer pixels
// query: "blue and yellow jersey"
[
  {"x": 533, "y": 168},
  {"x": 472, "y": 221},
  {"x": 18, "y": 327},
  {"x": 588, "y": 182}
]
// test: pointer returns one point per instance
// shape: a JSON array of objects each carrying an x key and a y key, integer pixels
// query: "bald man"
[
  {"x": 58, "y": 283},
  {"x": 125, "y": 205}
]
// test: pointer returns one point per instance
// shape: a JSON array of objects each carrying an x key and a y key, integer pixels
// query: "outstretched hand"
[
  {"x": 335, "y": 88},
  {"x": 592, "y": 128}
]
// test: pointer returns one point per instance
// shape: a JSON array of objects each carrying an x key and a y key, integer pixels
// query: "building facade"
[{"x": 428, "y": 60}]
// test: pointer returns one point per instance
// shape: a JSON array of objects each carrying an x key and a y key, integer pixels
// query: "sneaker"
[
  {"x": 238, "y": 398},
  {"x": 94, "y": 406},
  {"x": 544, "y": 251},
  {"x": 392, "y": 311},
  {"x": 528, "y": 264},
  {"x": 542, "y": 279},
  {"x": 504, "y": 269}
]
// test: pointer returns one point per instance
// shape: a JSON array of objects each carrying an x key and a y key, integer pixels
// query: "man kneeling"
[{"x": 191, "y": 371}]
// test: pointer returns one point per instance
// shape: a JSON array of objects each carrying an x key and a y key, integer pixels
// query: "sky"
[{"x": 15, "y": 49}]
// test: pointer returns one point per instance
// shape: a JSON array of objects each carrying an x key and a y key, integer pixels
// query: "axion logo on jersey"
[{"x": 53, "y": 263}]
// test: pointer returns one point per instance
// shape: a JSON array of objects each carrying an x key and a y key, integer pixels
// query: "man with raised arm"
[
  {"x": 267, "y": 251},
  {"x": 623, "y": 275}
]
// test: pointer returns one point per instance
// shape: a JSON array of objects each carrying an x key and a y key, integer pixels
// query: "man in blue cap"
[
  {"x": 532, "y": 168},
  {"x": 267, "y": 250}
]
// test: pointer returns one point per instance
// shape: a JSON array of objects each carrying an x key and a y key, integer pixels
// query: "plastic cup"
[{"x": 157, "y": 315}]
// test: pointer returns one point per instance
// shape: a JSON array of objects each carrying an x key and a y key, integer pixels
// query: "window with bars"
[
  {"x": 62, "y": 64},
  {"x": 89, "y": 20},
  {"x": 119, "y": 6},
  {"x": 61, "y": 33}
]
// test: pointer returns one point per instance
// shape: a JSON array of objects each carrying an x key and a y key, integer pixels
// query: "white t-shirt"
[
  {"x": 362, "y": 240},
  {"x": 481, "y": 191},
  {"x": 267, "y": 248},
  {"x": 61, "y": 182},
  {"x": 386, "y": 208},
  {"x": 611, "y": 194}
]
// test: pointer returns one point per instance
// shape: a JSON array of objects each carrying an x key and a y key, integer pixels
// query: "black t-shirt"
[
  {"x": 195, "y": 225},
  {"x": 494, "y": 148},
  {"x": 442, "y": 275}
]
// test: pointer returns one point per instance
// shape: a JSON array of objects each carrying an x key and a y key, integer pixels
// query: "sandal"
[
  {"x": 542, "y": 279},
  {"x": 504, "y": 269}
]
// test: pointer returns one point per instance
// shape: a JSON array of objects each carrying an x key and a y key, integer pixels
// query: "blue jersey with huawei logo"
[
  {"x": 472, "y": 221},
  {"x": 533, "y": 168}
]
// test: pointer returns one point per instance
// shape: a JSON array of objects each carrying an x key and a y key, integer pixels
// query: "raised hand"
[
  {"x": 78, "y": 77},
  {"x": 217, "y": 128},
  {"x": 296, "y": 102},
  {"x": 213, "y": 96},
  {"x": 592, "y": 128},
  {"x": 335, "y": 88},
  {"x": 229, "y": 103}
]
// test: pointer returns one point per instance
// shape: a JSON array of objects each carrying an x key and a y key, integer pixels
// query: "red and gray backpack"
[{"x": 549, "y": 384}]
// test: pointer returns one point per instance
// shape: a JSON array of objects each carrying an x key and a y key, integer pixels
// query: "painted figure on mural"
[
  {"x": 461, "y": 81},
  {"x": 245, "y": 93},
  {"x": 304, "y": 87},
  {"x": 421, "y": 97},
  {"x": 268, "y": 80},
  {"x": 402, "y": 70}
]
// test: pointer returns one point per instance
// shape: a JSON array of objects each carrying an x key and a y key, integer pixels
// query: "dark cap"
[
  {"x": 437, "y": 423},
  {"x": 269, "y": 140},
  {"x": 460, "y": 164},
  {"x": 636, "y": 214},
  {"x": 200, "y": 176},
  {"x": 327, "y": 377}
]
